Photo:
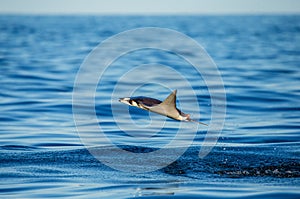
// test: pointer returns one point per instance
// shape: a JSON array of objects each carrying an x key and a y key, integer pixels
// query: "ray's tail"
[
  {"x": 188, "y": 118},
  {"x": 198, "y": 122}
]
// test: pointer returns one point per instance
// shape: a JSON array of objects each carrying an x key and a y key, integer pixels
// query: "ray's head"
[{"x": 128, "y": 101}]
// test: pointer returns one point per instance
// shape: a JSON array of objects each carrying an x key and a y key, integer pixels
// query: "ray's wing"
[
  {"x": 170, "y": 100},
  {"x": 167, "y": 107}
]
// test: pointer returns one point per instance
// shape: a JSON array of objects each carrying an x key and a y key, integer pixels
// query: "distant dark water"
[{"x": 257, "y": 155}]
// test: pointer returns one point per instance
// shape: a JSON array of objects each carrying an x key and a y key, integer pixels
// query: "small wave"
[
  {"x": 233, "y": 162},
  {"x": 18, "y": 147}
]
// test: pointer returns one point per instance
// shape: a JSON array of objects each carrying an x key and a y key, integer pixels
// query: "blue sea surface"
[{"x": 42, "y": 154}]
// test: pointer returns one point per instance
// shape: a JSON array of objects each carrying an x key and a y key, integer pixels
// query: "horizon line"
[{"x": 150, "y": 13}]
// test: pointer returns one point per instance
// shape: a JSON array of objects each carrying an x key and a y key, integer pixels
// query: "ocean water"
[{"x": 45, "y": 153}]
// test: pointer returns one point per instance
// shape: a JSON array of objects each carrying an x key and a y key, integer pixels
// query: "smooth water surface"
[{"x": 257, "y": 154}]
